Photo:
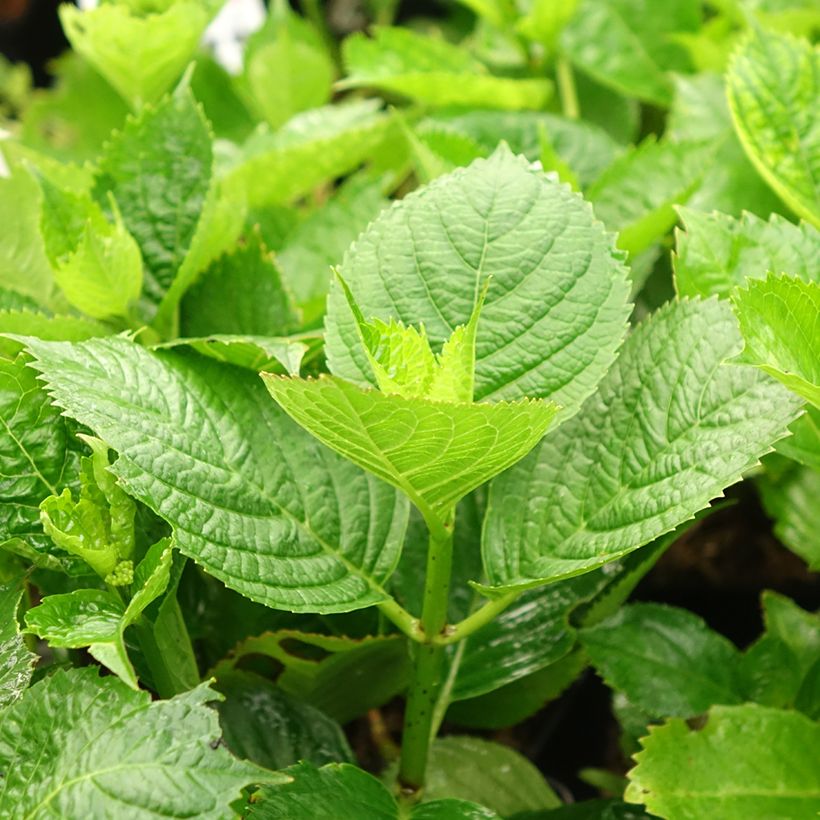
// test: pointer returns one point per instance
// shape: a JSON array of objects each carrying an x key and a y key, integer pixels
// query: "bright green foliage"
[
  {"x": 432, "y": 71},
  {"x": 496, "y": 776},
  {"x": 241, "y": 293},
  {"x": 433, "y": 451},
  {"x": 287, "y": 67},
  {"x": 791, "y": 500},
  {"x": 202, "y": 445},
  {"x": 342, "y": 677},
  {"x": 103, "y": 276},
  {"x": 780, "y": 322},
  {"x": 98, "y": 618},
  {"x": 636, "y": 194},
  {"x": 99, "y": 526},
  {"x": 24, "y": 266},
  {"x": 781, "y": 668},
  {"x": 16, "y": 662},
  {"x": 141, "y": 55},
  {"x": 665, "y": 660},
  {"x": 629, "y": 44},
  {"x": 263, "y": 723},
  {"x": 804, "y": 443},
  {"x": 311, "y": 148},
  {"x": 716, "y": 253},
  {"x": 605, "y": 484},
  {"x": 77, "y": 745},
  {"x": 542, "y": 248},
  {"x": 774, "y": 94},
  {"x": 748, "y": 763}
]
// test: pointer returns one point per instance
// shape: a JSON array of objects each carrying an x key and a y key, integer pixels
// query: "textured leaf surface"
[
  {"x": 16, "y": 662},
  {"x": 433, "y": 71},
  {"x": 315, "y": 146},
  {"x": 255, "y": 501},
  {"x": 334, "y": 791},
  {"x": 780, "y": 323},
  {"x": 665, "y": 660},
  {"x": 78, "y": 745},
  {"x": 636, "y": 194},
  {"x": 158, "y": 168},
  {"x": 433, "y": 451},
  {"x": 717, "y": 252},
  {"x": 555, "y": 311},
  {"x": 262, "y": 723},
  {"x": 626, "y": 44},
  {"x": 773, "y": 86},
  {"x": 140, "y": 56},
  {"x": 241, "y": 293},
  {"x": 748, "y": 763},
  {"x": 668, "y": 430}
]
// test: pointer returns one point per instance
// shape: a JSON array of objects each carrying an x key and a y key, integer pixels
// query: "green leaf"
[
  {"x": 772, "y": 85},
  {"x": 39, "y": 453},
  {"x": 434, "y": 452},
  {"x": 592, "y": 810},
  {"x": 791, "y": 500},
  {"x": 262, "y": 723},
  {"x": 103, "y": 276},
  {"x": 336, "y": 790},
  {"x": 452, "y": 810},
  {"x": 627, "y": 44},
  {"x": 158, "y": 168},
  {"x": 669, "y": 429},
  {"x": 665, "y": 660},
  {"x": 430, "y": 70},
  {"x": 780, "y": 322},
  {"x": 780, "y": 668},
  {"x": 716, "y": 252},
  {"x": 803, "y": 445},
  {"x": 28, "y": 322},
  {"x": 311, "y": 148},
  {"x": 24, "y": 266},
  {"x": 749, "y": 763},
  {"x": 280, "y": 355},
  {"x": 203, "y": 446},
  {"x": 496, "y": 776},
  {"x": 287, "y": 68},
  {"x": 16, "y": 662},
  {"x": 77, "y": 745},
  {"x": 321, "y": 239},
  {"x": 141, "y": 56},
  {"x": 241, "y": 294},
  {"x": 422, "y": 261},
  {"x": 342, "y": 677},
  {"x": 636, "y": 195}
]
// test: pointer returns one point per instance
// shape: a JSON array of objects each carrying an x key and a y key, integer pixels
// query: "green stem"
[
  {"x": 429, "y": 658},
  {"x": 396, "y": 613},
  {"x": 481, "y": 617},
  {"x": 566, "y": 88}
]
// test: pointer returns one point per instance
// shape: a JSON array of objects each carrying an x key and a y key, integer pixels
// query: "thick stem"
[
  {"x": 428, "y": 659},
  {"x": 566, "y": 88}
]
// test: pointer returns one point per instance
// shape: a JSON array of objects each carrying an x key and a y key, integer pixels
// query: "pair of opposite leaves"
[{"x": 422, "y": 433}]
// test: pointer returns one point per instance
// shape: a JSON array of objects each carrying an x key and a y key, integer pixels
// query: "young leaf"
[
  {"x": 780, "y": 323},
  {"x": 665, "y": 660},
  {"x": 636, "y": 195},
  {"x": 311, "y": 148},
  {"x": 79, "y": 745},
  {"x": 158, "y": 169},
  {"x": 262, "y": 723},
  {"x": 433, "y": 71},
  {"x": 628, "y": 45},
  {"x": 716, "y": 252},
  {"x": 424, "y": 260},
  {"x": 772, "y": 85},
  {"x": 434, "y": 452},
  {"x": 204, "y": 447},
  {"x": 241, "y": 293},
  {"x": 669, "y": 429},
  {"x": 748, "y": 763},
  {"x": 16, "y": 662},
  {"x": 140, "y": 55},
  {"x": 803, "y": 445}
]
